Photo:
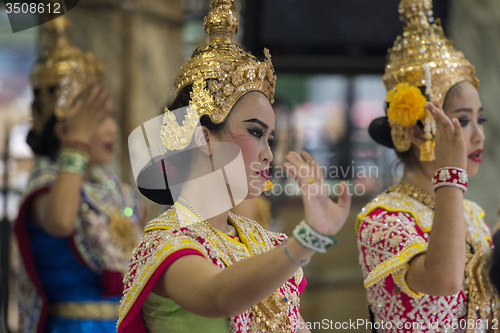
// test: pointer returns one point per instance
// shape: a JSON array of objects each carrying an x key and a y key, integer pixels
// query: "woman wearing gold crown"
[
  {"x": 199, "y": 267},
  {"x": 78, "y": 223},
  {"x": 423, "y": 248}
]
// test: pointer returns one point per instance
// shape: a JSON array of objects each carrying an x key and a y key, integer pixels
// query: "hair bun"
[{"x": 380, "y": 131}]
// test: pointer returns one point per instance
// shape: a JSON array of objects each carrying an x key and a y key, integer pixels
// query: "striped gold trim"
[{"x": 85, "y": 310}]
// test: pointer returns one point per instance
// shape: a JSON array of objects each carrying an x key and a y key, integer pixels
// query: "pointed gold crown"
[
  {"x": 421, "y": 44},
  {"x": 220, "y": 72},
  {"x": 63, "y": 68},
  {"x": 422, "y": 57}
]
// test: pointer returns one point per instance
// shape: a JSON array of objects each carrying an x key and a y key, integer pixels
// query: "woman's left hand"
[{"x": 320, "y": 211}]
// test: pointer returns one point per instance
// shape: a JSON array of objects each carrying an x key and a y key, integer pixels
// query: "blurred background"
[{"x": 329, "y": 57}]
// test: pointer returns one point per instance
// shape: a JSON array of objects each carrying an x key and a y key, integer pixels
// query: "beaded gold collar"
[{"x": 414, "y": 192}]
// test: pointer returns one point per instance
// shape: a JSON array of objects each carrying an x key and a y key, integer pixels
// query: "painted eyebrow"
[
  {"x": 260, "y": 122},
  {"x": 468, "y": 110}
]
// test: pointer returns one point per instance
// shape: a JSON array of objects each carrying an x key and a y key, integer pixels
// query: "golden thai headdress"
[
  {"x": 421, "y": 57},
  {"x": 63, "y": 68},
  {"x": 220, "y": 73}
]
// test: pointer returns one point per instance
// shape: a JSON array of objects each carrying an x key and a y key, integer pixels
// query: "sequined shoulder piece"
[
  {"x": 266, "y": 238},
  {"x": 399, "y": 202},
  {"x": 164, "y": 236},
  {"x": 165, "y": 221},
  {"x": 43, "y": 174},
  {"x": 473, "y": 209},
  {"x": 478, "y": 231}
]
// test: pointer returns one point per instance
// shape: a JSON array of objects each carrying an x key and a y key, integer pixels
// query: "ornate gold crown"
[
  {"x": 220, "y": 73},
  {"x": 64, "y": 68},
  {"x": 423, "y": 57}
]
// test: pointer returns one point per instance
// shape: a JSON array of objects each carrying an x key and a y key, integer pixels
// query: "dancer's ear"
[
  {"x": 201, "y": 138},
  {"x": 60, "y": 130},
  {"x": 416, "y": 135}
]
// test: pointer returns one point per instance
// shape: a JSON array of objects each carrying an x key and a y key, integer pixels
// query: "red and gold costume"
[
  {"x": 393, "y": 229},
  {"x": 216, "y": 76},
  {"x": 180, "y": 232}
]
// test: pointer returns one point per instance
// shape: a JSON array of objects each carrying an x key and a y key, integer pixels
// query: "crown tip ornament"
[
  {"x": 221, "y": 23},
  {"x": 59, "y": 25},
  {"x": 416, "y": 12}
]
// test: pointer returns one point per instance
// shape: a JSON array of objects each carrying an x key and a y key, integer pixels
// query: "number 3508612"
[
  {"x": 472, "y": 324},
  {"x": 33, "y": 8}
]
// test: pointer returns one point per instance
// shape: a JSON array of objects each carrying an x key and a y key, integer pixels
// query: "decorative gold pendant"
[
  {"x": 271, "y": 315},
  {"x": 123, "y": 232},
  {"x": 398, "y": 134}
]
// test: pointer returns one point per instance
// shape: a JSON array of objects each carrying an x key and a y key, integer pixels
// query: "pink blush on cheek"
[{"x": 250, "y": 154}]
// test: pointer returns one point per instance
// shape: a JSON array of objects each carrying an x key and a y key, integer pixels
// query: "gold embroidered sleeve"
[
  {"x": 388, "y": 241},
  {"x": 157, "y": 246}
]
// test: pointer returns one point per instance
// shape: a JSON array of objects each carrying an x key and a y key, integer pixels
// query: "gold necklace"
[
  {"x": 212, "y": 229},
  {"x": 270, "y": 315},
  {"x": 414, "y": 192},
  {"x": 204, "y": 221}
]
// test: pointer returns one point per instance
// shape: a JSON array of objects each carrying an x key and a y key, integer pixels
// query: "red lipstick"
[
  {"x": 264, "y": 174},
  {"x": 476, "y": 155},
  {"x": 109, "y": 147}
]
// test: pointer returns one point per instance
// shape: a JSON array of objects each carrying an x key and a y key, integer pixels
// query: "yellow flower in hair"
[{"x": 406, "y": 104}]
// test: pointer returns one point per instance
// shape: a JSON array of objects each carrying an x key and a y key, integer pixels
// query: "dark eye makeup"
[
  {"x": 259, "y": 133},
  {"x": 464, "y": 120}
]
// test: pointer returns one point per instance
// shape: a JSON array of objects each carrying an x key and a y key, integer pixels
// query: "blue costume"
[{"x": 74, "y": 284}]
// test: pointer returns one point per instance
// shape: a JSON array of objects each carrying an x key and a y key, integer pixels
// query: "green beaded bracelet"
[
  {"x": 312, "y": 239},
  {"x": 73, "y": 160}
]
